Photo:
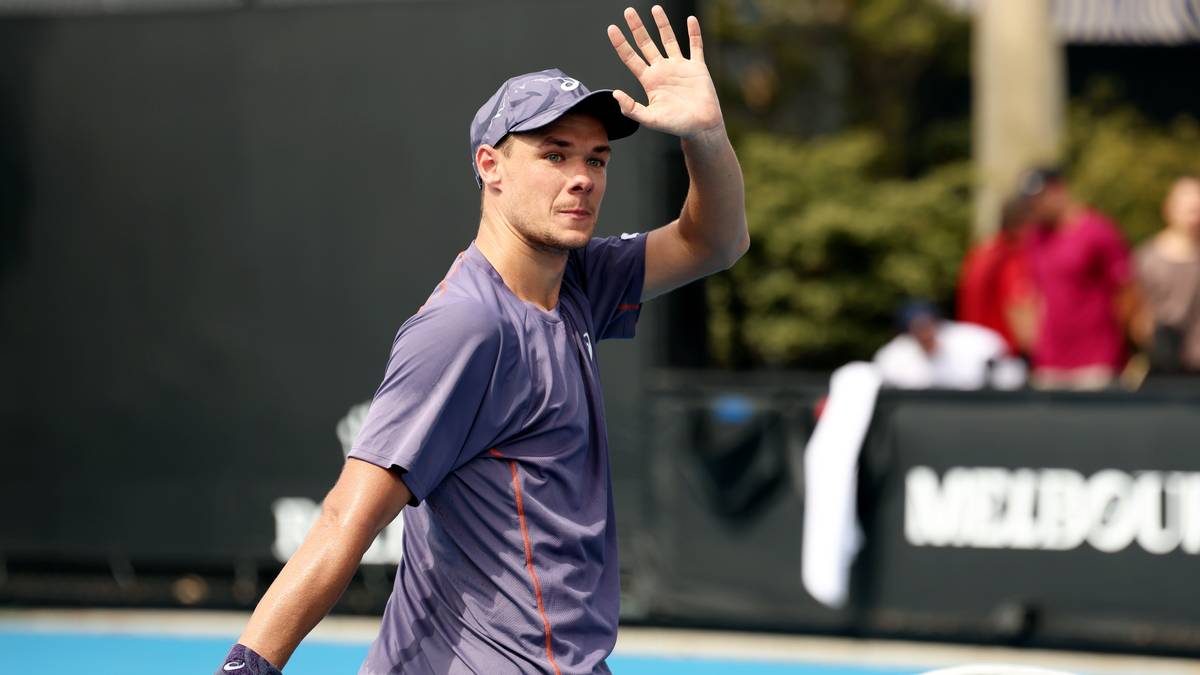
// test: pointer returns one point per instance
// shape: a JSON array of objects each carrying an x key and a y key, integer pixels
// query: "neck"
[
  {"x": 1070, "y": 215},
  {"x": 532, "y": 273}
]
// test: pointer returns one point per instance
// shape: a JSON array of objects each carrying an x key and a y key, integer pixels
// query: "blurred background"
[{"x": 215, "y": 214}]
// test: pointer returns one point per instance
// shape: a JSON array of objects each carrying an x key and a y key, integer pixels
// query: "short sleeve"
[
  {"x": 427, "y": 417},
  {"x": 611, "y": 272}
]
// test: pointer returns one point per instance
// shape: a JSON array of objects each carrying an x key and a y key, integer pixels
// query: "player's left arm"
[{"x": 710, "y": 233}]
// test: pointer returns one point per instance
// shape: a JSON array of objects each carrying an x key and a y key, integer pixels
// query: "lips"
[{"x": 578, "y": 213}]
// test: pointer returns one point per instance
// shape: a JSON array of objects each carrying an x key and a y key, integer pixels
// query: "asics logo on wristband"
[{"x": 234, "y": 665}]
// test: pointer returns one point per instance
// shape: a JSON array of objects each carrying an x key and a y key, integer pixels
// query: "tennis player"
[{"x": 489, "y": 424}]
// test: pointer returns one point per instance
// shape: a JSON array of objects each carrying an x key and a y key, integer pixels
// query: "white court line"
[{"x": 653, "y": 642}]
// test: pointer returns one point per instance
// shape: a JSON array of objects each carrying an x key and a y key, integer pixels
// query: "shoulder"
[
  {"x": 974, "y": 333},
  {"x": 599, "y": 248},
  {"x": 902, "y": 346},
  {"x": 1099, "y": 225},
  {"x": 456, "y": 318},
  {"x": 1146, "y": 253},
  {"x": 468, "y": 301}
]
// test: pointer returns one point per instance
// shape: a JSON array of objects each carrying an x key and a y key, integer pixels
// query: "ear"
[{"x": 487, "y": 163}]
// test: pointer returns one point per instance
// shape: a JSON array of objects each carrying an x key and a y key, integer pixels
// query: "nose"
[{"x": 582, "y": 183}]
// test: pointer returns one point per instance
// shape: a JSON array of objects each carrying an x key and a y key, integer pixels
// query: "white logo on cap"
[
  {"x": 234, "y": 665},
  {"x": 569, "y": 83}
]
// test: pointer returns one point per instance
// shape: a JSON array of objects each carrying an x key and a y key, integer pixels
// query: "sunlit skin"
[
  {"x": 1181, "y": 209},
  {"x": 545, "y": 187},
  {"x": 924, "y": 330},
  {"x": 1053, "y": 207},
  {"x": 541, "y": 196}
]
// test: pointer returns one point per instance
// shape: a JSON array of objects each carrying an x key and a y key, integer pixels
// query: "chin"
[
  {"x": 562, "y": 242},
  {"x": 570, "y": 238},
  {"x": 576, "y": 240}
]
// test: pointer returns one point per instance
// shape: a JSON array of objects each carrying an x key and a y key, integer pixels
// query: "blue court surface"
[{"x": 63, "y": 653}]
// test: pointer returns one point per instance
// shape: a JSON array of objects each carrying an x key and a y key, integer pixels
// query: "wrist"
[
  {"x": 710, "y": 137},
  {"x": 243, "y": 660}
]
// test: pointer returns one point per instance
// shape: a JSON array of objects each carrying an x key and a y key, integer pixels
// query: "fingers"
[
  {"x": 695, "y": 42},
  {"x": 665, "y": 32},
  {"x": 629, "y": 107},
  {"x": 641, "y": 37},
  {"x": 625, "y": 52}
]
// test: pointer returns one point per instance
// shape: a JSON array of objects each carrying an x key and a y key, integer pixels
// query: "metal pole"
[{"x": 1019, "y": 99}]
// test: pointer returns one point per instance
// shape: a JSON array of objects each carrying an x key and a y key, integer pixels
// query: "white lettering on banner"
[
  {"x": 295, "y": 516},
  {"x": 1053, "y": 509}
]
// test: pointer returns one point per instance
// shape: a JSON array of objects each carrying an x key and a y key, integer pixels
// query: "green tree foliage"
[
  {"x": 1123, "y": 164},
  {"x": 845, "y": 224},
  {"x": 837, "y": 245}
]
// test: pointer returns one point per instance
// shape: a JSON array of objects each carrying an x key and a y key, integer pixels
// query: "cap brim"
[{"x": 600, "y": 104}]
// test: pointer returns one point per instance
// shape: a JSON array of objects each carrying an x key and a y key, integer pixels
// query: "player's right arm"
[
  {"x": 426, "y": 418},
  {"x": 365, "y": 499}
]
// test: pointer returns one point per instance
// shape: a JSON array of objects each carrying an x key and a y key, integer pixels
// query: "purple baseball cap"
[{"x": 533, "y": 100}]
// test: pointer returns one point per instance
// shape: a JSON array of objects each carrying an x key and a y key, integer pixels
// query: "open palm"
[{"x": 681, "y": 99}]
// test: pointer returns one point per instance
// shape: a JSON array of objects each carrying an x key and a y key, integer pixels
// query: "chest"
[
  {"x": 562, "y": 387},
  {"x": 1068, "y": 259}
]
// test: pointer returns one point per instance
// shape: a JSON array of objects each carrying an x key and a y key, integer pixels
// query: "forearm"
[
  {"x": 1131, "y": 312},
  {"x": 713, "y": 219},
  {"x": 307, "y": 588}
]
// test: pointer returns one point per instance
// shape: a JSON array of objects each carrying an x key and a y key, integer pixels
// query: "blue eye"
[
  {"x": 598, "y": 163},
  {"x": 554, "y": 157}
]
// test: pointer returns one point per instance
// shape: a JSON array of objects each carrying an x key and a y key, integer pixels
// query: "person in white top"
[{"x": 933, "y": 353}]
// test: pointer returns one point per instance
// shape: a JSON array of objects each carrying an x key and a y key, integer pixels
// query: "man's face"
[
  {"x": 1182, "y": 209},
  {"x": 924, "y": 329},
  {"x": 1048, "y": 206},
  {"x": 553, "y": 180}
]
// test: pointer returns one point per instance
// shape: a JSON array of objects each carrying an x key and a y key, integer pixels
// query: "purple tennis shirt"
[{"x": 491, "y": 407}]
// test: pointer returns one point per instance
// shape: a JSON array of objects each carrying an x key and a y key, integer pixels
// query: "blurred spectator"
[
  {"x": 1080, "y": 265},
  {"x": 994, "y": 289},
  {"x": 1168, "y": 272},
  {"x": 933, "y": 353}
]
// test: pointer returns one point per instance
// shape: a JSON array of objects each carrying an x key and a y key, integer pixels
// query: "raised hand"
[{"x": 681, "y": 99}]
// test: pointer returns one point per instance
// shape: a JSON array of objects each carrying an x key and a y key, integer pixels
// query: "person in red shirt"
[
  {"x": 994, "y": 289},
  {"x": 1082, "y": 269}
]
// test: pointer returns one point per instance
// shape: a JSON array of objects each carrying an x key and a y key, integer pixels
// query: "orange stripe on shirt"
[
  {"x": 537, "y": 586},
  {"x": 441, "y": 287}
]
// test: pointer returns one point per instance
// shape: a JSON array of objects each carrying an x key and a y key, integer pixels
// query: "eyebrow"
[{"x": 562, "y": 143}]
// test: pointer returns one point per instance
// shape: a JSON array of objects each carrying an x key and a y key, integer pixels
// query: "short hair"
[
  {"x": 912, "y": 309},
  {"x": 504, "y": 145}
]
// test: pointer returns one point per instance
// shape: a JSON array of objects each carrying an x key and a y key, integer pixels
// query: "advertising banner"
[{"x": 1070, "y": 517}]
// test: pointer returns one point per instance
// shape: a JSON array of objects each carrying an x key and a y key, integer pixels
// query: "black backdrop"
[
  {"x": 720, "y": 541},
  {"x": 212, "y": 225},
  {"x": 1125, "y": 597}
]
